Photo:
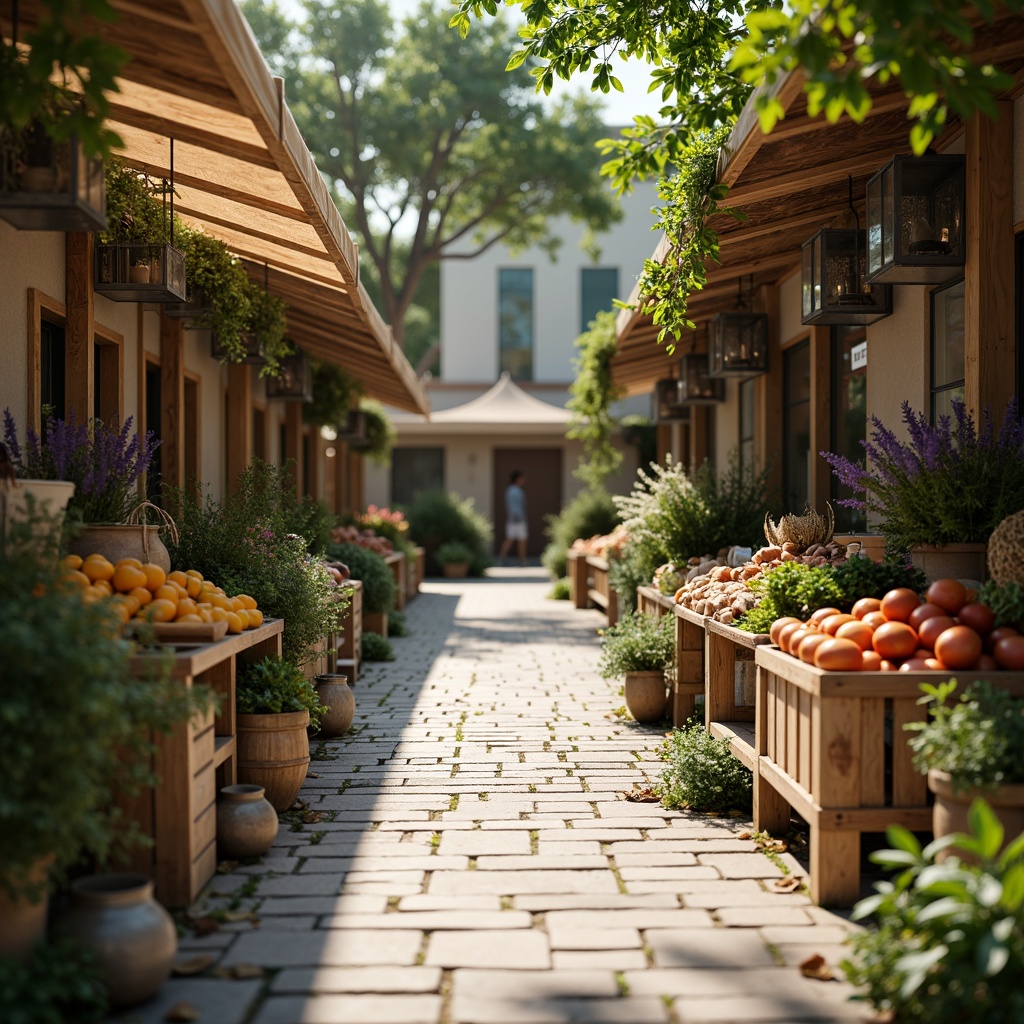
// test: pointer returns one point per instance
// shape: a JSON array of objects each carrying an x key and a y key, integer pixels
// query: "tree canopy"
[{"x": 435, "y": 152}]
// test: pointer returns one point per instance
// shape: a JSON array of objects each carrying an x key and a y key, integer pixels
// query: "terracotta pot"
[
  {"x": 49, "y": 497},
  {"x": 139, "y": 274},
  {"x": 117, "y": 542},
  {"x": 952, "y": 561},
  {"x": 949, "y": 813},
  {"x": 646, "y": 695},
  {"x": 333, "y": 690},
  {"x": 273, "y": 752},
  {"x": 24, "y": 921},
  {"x": 131, "y": 935},
  {"x": 455, "y": 570},
  {"x": 870, "y": 544},
  {"x": 246, "y": 821}
]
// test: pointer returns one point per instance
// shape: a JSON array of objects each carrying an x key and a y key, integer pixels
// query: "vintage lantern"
[
  {"x": 668, "y": 406},
  {"x": 696, "y": 386},
  {"x": 294, "y": 381},
  {"x": 739, "y": 341}
]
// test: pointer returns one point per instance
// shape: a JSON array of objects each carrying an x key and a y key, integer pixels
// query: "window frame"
[
  {"x": 532, "y": 323},
  {"x": 935, "y": 389}
]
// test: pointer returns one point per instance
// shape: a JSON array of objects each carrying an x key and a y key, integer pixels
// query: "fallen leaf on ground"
[
  {"x": 225, "y": 867},
  {"x": 182, "y": 1012},
  {"x": 641, "y": 795},
  {"x": 194, "y": 965},
  {"x": 206, "y": 926},
  {"x": 816, "y": 966},
  {"x": 312, "y": 775},
  {"x": 240, "y": 972},
  {"x": 234, "y": 916},
  {"x": 788, "y": 884},
  {"x": 745, "y": 835}
]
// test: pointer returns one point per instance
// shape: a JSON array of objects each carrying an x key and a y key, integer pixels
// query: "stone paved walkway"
[{"x": 473, "y": 865}]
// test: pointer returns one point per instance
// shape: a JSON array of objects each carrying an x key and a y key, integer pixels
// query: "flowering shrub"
[
  {"x": 385, "y": 522},
  {"x": 103, "y": 462},
  {"x": 950, "y": 484}
]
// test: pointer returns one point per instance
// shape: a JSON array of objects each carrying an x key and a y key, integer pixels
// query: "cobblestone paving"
[{"x": 473, "y": 864}]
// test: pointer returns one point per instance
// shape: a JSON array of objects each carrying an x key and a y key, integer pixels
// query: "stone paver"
[{"x": 474, "y": 863}]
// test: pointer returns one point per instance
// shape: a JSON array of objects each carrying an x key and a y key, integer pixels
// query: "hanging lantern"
[
  {"x": 668, "y": 404},
  {"x": 253, "y": 349},
  {"x": 354, "y": 428},
  {"x": 294, "y": 381},
  {"x": 915, "y": 220},
  {"x": 739, "y": 341},
  {"x": 696, "y": 385}
]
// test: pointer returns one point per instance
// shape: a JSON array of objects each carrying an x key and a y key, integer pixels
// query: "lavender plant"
[
  {"x": 103, "y": 462},
  {"x": 950, "y": 483}
]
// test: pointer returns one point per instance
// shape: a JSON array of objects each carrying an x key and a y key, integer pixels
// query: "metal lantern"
[
  {"x": 294, "y": 381},
  {"x": 739, "y": 344},
  {"x": 668, "y": 404},
  {"x": 354, "y": 428},
  {"x": 915, "y": 219},
  {"x": 834, "y": 292},
  {"x": 253, "y": 349},
  {"x": 696, "y": 386},
  {"x": 140, "y": 272},
  {"x": 50, "y": 186}
]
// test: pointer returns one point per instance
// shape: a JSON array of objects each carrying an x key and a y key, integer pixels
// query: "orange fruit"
[
  {"x": 155, "y": 576},
  {"x": 97, "y": 569},
  {"x": 188, "y": 618},
  {"x": 161, "y": 611},
  {"x": 105, "y": 586},
  {"x": 131, "y": 603},
  {"x": 76, "y": 578},
  {"x": 219, "y": 615},
  {"x": 243, "y": 617},
  {"x": 177, "y": 577},
  {"x": 255, "y": 618},
  {"x": 186, "y": 606},
  {"x": 71, "y": 561},
  {"x": 133, "y": 562},
  {"x": 234, "y": 622},
  {"x": 128, "y": 577},
  {"x": 195, "y": 574},
  {"x": 122, "y": 610},
  {"x": 237, "y": 604},
  {"x": 168, "y": 592},
  {"x": 205, "y": 613},
  {"x": 141, "y": 594},
  {"x": 247, "y": 601},
  {"x": 192, "y": 586},
  {"x": 220, "y": 601},
  {"x": 90, "y": 595}
]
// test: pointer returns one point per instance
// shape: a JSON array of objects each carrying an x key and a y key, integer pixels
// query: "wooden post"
[
  {"x": 172, "y": 401},
  {"x": 340, "y": 477},
  {"x": 293, "y": 441},
  {"x": 821, "y": 416},
  {"x": 79, "y": 366},
  {"x": 768, "y": 397},
  {"x": 355, "y": 481},
  {"x": 316, "y": 464},
  {"x": 239, "y": 416},
  {"x": 989, "y": 273},
  {"x": 664, "y": 437}
]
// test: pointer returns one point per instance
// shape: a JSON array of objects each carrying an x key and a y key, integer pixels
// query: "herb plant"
[
  {"x": 637, "y": 643},
  {"x": 453, "y": 552},
  {"x": 276, "y": 686},
  {"x": 59, "y": 984},
  {"x": 1006, "y": 602},
  {"x": 377, "y": 647},
  {"x": 790, "y": 589},
  {"x": 702, "y": 773},
  {"x": 977, "y": 739},
  {"x": 863, "y": 577},
  {"x": 947, "y": 944},
  {"x": 372, "y": 571}
]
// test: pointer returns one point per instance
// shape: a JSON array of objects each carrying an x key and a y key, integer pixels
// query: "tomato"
[
  {"x": 978, "y": 616},
  {"x": 958, "y": 647},
  {"x": 950, "y": 595},
  {"x": 871, "y": 662},
  {"x": 986, "y": 663},
  {"x": 894, "y": 641},
  {"x": 778, "y": 624},
  {"x": 931, "y": 628},
  {"x": 997, "y": 634},
  {"x": 786, "y": 634},
  {"x": 923, "y": 612},
  {"x": 833, "y": 622},
  {"x": 888, "y": 666},
  {"x": 859, "y": 632},
  {"x": 875, "y": 619},
  {"x": 821, "y": 614},
  {"x": 839, "y": 656},
  {"x": 1009, "y": 653},
  {"x": 865, "y": 605},
  {"x": 810, "y": 644},
  {"x": 899, "y": 603}
]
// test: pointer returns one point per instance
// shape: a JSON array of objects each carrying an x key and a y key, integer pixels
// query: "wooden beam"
[
  {"x": 293, "y": 442},
  {"x": 79, "y": 329},
  {"x": 821, "y": 415},
  {"x": 172, "y": 402},
  {"x": 239, "y": 421},
  {"x": 989, "y": 350}
]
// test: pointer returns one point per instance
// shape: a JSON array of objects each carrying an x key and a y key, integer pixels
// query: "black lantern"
[
  {"x": 834, "y": 292},
  {"x": 50, "y": 186},
  {"x": 140, "y": 272},
  {"x": 353, "y": 429},
  {"x": 253, "y": 349},
  {"x": 668, "y": 405},
  {"x": 915, "y": 220},
  {"x": 294, "y": 380},
  {"x": 696, "y": 386},
  {"x": 739, "y": 341}
]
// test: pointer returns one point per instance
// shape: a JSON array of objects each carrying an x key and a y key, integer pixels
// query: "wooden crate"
[
  {"x": 600, "y": 590},
  {"x": 348, "y": 641},
  {"x": 822, "y": 747},
  {"x": 576, "y": 567},
  {"x": 396, "y": 563},
  {"x": 415, "y": 571},
  {"x": 192, "y": 762},
  {"x": 689, "y": 682},
  {"x": 375, "y": 622}
]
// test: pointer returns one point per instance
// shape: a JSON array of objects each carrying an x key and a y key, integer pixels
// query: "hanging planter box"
[
  {"x": 51, "y": 186},
  {"x": 193, "y": 309},
  {"x": 254, "y": 351},
  {"x": 140, "y": 272}
]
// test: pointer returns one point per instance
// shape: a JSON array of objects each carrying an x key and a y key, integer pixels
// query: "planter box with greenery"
[
  {"x": 454, "y": 558},
  {"x": 642, "y": 649},
  {"x": 436, "y": 518},
  {"x": 140, "y": 272}
]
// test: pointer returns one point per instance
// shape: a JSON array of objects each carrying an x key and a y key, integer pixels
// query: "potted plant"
[
  {"x": 940, "y": 494},
  {"x": 641, "y": 648},
  {"x": 455, "y": 558},
  {"x": 947, "y": 945},
  {"x": 276, "y": 705},
  {"x": 377, "y": 579},
  {"x": 969, "y": 748}
]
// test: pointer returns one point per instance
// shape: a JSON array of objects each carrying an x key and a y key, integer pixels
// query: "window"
[
  {"x": 106, "y": 379},
  {"x": 796, "y": 425},
  {"x": 51, "y": 361},
  {"x": 947, "y": 349},
  {"x": 599, "y": 287},
  {"x": 414, "y": 470},
  {"x": 747, "y": 457},
  {"x": 515, "y": 322},
  {"x": 849, "y": 415}
]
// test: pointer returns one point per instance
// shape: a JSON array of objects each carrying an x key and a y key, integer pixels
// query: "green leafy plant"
[
  {"x": 377, "y": 648},
  {"x": 736, "y": 500},
  {"x": 591, "y": 513},
  {"x": 977, "y": 739},
  {"x": 335, "y": 395},
  {"x": 372, "y": 571},
  {"x": 267, "y": 323},
  {"x": 947, "y": 944},
  {"x": 791, "y": 589},
  {"x": 136, "y": 212},
  {"x": 274, "y": 686},
  {"x": 453, "y": 552},
  {"x": 380, "y": 433},
  {"x": 560, "y": 591},
  {"x": 702, "y": 773},
  {"x": 58, "y": 985},
  {"x": 1006, "y": 601},
  {"x": 435, "y": 517},
  {"x": 863, "y": 577},
  {"x": 398, "y": 625},
  {"x": 633, "y": 569},
  {"x": 637, "y": 643}
]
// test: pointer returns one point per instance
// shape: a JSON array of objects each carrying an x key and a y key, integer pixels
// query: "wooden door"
[{"x": 542, "y": 468}]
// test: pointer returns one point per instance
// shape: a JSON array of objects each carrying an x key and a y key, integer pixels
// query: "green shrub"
[
  {"x": 453, "y": 552},
  {"x": 637, "y": 643},
  {"x": 435, "y": 517},
  {"x": 790, "y": 589},
  {"x": 591, "y": 513},
  {"x": 633, "y": 569},
  {"x": 561, "y": 591},
  {"x": 378, "y": 581},
  {"x": 1006, "y": 601},
  {"x": 397, "y": 624},
  {"x": 702, "y": 773},
  {"x": 736, "y": 500},
  {"x": 276, "y": 686},
  {"x": 59, "y": 984},
  {"x": 377, "y": 648}
]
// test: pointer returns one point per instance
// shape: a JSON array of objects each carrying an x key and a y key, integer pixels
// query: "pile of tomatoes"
[{"x": 948, "y": 631}]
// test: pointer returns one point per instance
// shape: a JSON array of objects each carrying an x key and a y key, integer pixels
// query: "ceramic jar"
[
  {"x": 246, "y": 821},
  {"x": 646, "y": 695},
  {"x": 131, "y": 936},
  {"x": 334, "y": 692}
]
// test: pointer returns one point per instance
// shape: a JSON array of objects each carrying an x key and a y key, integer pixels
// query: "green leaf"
[
  {"x": 903, "y": 839},
  {"x": 987, "y": 827}
]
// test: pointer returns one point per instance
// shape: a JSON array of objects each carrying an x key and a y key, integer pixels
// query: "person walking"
[{"x": 515, "y": 518}]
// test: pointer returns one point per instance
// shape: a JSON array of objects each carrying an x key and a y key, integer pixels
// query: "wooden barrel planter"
[{"x": 273, "y": 752}]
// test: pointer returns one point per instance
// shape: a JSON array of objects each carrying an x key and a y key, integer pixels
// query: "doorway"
[{"x": 542, "y": 468}]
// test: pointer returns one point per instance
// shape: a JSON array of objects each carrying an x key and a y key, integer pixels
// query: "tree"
[{"x": 436, "y": 153}]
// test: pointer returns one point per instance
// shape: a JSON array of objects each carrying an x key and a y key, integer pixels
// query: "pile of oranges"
[{"x": 143, "y": 591}]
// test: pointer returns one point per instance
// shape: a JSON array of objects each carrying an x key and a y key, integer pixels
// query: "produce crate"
[
  {"x": 689, "y": 681},
  {"x": 348, "y": 641},
  {"x": 415, "y": 571},
  {"x": 600, "y": 590},
  {"x": 396, "y": 563},
  {"x": 376, "y": 622},
  {"x": 576, "y": 567},
  {"x": 650, "y": 601},
  {"x": 192, "y": 762},
  {"x": 831, "y": 746}
]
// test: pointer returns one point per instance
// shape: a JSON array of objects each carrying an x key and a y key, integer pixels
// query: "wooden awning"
[
  {"x": 788, "y": 184},
  {"x": 243, "y": 173}
]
